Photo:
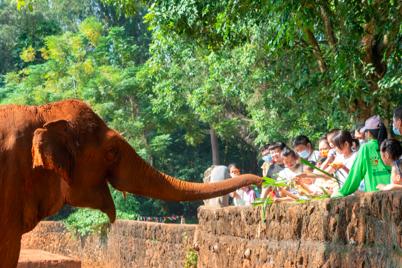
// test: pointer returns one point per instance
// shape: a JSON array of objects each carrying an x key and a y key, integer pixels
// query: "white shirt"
[
  {"x": 246, "y": 198},
  {"x": 347, "y": 162},
  {"x": 288, "y": 174},
  {"x": 240, "y": 201},
  {"x": 314, "y": 157}
]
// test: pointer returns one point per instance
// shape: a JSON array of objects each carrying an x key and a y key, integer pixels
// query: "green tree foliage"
[
  {"x": 95, "y": 64},
  {"x": 103, "y": 65},
  {"x": 253, "y": 71},
  {"x": 20, "y": 31},
  {"x": 287, "y": 67}
]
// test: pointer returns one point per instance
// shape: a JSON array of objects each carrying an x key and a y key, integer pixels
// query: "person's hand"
[
  {"x": 336, "y": 195},
  {"x": 304, "y": 178},
  {"x": 337, "y": 165},
  {"x": 387, "y": 187}
]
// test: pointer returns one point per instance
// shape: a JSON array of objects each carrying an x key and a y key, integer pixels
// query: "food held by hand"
[{"x": 336, "y": 165}]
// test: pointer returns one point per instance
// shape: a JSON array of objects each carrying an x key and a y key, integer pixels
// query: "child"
[
  {"x": 244, "y": 196},
  {"x": 292, "y": 169},
  {"x": 292, "y": 165},
  {"x": 345, "y": 154},
  {"x": 391, "y": 155}
]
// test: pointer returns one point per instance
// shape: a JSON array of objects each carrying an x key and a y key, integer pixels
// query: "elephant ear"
[{"x": 53, "y": 148}]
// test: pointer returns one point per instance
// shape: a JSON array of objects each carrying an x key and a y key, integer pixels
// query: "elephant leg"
[{"x": 10, "y": 251}]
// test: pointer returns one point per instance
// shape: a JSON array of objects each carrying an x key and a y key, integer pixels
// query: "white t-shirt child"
[{"x": 347, "y": 162}]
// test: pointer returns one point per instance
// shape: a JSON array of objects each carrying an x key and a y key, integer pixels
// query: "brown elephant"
[{"x": 63, "y": 153}]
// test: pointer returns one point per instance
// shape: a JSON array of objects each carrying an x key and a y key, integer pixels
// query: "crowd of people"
[{"x": 363, "y": 160}]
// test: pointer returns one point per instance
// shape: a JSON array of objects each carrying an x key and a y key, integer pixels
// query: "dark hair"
[
  {"x": 277, "y": 145},
  {"x": 343, "y": 136},
  {"x": 357, "y": 128},
  {"x": 301, "y": 140},
  {"x": 379, "y": 134},
  {"x": 289, "y": 152},
  {"x": 398, "y": 113},
  {"x": 323, "y": 138},
  {"x": 265, "y": 147},
  {"x": 332, "y": 132},
  {"x": 392, "y": 147}
]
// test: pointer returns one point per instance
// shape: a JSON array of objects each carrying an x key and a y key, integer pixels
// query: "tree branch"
[
  {"x": 316, "y": 49},
  {"x": 325, "y": 15}
]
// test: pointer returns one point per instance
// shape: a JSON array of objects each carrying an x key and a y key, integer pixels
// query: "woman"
[
  {"x": 323, "y": 148},
  {"x": 244, "y": 196},
  {"x": 332, "y": 152},
  {"x": 345, "y": 154},
  {"x": 368, "y": 165}
]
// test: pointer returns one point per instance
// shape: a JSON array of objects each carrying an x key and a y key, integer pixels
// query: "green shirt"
[{"x": 369, "y": 166}]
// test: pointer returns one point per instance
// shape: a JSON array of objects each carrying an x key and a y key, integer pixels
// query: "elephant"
[{"x": 64, "y": 153}]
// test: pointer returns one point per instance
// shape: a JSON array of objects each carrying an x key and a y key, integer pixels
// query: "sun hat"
[{"x": 371, "y": 123}]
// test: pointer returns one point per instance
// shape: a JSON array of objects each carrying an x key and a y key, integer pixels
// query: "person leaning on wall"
[{"x": 368, "y": 165}]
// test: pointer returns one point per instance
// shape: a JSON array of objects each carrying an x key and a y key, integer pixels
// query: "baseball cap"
[{"x": 371, "y": 123}]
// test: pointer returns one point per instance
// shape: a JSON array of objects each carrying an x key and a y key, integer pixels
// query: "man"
[
  {"x": 277, "y": 159},
  {"x": 304, "y": 148},
  {"x": 397, "y": 121}
]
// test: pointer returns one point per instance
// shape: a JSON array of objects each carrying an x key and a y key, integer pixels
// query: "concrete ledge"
[
  {"x": 34, "y": 258},
  {"x": 125, "y": 244},
  {"x": 357, "y": 231}
]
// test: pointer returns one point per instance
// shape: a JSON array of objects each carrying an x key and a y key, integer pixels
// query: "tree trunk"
[{"x": 214, "y": 147}]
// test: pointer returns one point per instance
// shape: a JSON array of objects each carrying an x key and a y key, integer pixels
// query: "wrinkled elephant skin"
[{"x": 63, "y": 153}]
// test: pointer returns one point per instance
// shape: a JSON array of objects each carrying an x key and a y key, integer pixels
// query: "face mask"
[
  {"x": 396, "y": 130},
  {"x": 267, "y": 158},
  {"x": 324, "y": 153},
  {"x": 304, "y": 154}
]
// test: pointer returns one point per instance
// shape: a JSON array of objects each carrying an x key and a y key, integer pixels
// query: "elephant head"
[{"x": 76, "y": 144}]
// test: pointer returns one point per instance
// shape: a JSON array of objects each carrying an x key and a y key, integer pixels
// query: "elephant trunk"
[{"x": 136, "y": 176}]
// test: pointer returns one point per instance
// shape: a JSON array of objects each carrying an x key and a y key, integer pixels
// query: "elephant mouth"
[
  {"x": 110, "y": 212},
  {"x": 108, "y": 207},
  {"x": 96, "y": 198}
]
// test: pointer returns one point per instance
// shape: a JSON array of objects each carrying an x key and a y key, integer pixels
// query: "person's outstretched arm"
[{"x": 356, "y": 174}]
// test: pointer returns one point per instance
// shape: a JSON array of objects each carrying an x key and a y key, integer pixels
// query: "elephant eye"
[{"x": 112, "y": 154}]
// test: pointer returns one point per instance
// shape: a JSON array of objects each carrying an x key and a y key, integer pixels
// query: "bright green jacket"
[{"x": 369, "y": 166}]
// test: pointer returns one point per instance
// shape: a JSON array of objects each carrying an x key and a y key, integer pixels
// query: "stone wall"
[
  {"x": 126, "y": 244},
  {"x": 357, "y": 231}
]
